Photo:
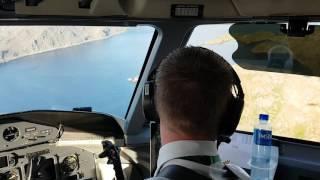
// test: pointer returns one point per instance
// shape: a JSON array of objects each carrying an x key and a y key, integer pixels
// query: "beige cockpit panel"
[{"x": 162, "y": 8}]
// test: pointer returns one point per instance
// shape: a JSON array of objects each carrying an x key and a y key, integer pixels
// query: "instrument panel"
[
  {"x": 47, "y": 162},
  {"x": 56, "y": 145},
  {"x": 19, "y": 134},
  {"x": 29, "y": 151}
]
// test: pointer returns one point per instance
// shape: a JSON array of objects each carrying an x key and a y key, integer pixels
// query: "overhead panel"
[
  {"x": 69, "y": 7},
  {"x": 162, "y": 9}
]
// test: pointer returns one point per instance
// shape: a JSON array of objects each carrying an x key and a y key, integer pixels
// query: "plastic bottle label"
[{"x": 262, "y": 137}]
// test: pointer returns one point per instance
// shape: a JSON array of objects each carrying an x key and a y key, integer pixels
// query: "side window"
[{"x": 292, "y": 101}]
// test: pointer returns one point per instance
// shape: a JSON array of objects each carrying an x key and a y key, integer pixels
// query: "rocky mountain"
[{"x": 19, "y": 41}]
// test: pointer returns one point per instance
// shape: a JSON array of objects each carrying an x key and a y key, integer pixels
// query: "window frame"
[{"x": 152, "y": 43}]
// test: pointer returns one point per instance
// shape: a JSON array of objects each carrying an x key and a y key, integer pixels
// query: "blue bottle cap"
[{"x": 264, "y": 117}]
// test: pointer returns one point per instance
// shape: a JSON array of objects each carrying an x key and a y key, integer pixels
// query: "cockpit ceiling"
[{"x": 162, "y": 8}]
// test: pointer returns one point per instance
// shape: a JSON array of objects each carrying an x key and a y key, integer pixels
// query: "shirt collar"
[{"x": 185, "y": 148}]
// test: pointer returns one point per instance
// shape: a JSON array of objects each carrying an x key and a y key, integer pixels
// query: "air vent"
[{"x": 187, "y": 10}]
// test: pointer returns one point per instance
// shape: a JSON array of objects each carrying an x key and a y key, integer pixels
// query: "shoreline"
[{"x": 62, "y": 47}]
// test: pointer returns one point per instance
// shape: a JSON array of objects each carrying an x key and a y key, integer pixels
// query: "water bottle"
[{"x": 261, "y": 149}]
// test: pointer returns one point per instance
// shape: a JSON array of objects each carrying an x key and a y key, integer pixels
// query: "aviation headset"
[{"x": 229, "y": 120}]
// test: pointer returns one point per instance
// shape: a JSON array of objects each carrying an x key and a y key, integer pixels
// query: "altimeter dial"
[{"x": 10, "y": 134}]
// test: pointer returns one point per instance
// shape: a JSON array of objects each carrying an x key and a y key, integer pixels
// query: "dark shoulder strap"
[{"x": 174, "y": 172}]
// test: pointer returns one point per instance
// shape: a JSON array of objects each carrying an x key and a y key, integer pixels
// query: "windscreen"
[
  {"x": 271, "y": 66},
  {"x": 66, "y": 67}
]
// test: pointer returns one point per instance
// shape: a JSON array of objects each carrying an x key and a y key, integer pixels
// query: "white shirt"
[
  {"x": 178, "y": 149},
  {"x": 171, "y": 152}
]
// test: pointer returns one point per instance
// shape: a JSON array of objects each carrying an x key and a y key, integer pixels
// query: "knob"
[{"x": 70, "y": 163}]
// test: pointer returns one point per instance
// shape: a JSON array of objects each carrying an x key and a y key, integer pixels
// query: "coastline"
[{"x": 62, "y": 47}]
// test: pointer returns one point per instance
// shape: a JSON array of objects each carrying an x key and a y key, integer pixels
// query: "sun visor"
[
  {"x": 70, "y": 7},
  {"x": 277, "y": 7}
]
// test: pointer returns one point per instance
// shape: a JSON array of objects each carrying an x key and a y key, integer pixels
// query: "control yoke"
[{"x": 113, "y": 153}]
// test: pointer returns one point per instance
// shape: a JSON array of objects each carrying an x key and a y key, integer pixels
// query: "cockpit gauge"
[
  {"x": 10, "y": 134},
  {"x": 70, "y": 163}
]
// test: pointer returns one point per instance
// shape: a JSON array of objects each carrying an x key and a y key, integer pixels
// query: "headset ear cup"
[
  {"x": 149, "y": 109},
  {"x": 231, "y": 117},
  {"x": 234, "y": 108}
]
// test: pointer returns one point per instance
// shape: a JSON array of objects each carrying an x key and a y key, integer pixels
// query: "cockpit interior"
[{"x": 73, "y": 74}]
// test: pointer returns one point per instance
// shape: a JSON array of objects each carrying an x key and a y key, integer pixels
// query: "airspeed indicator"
[{"x": 10, "y": 134}]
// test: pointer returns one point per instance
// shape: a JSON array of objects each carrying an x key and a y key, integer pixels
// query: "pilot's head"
[{"x": 192, "y": 90}]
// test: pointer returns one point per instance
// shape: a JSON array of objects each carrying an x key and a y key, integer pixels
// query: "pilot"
[{"x": 192, "y": 94}]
